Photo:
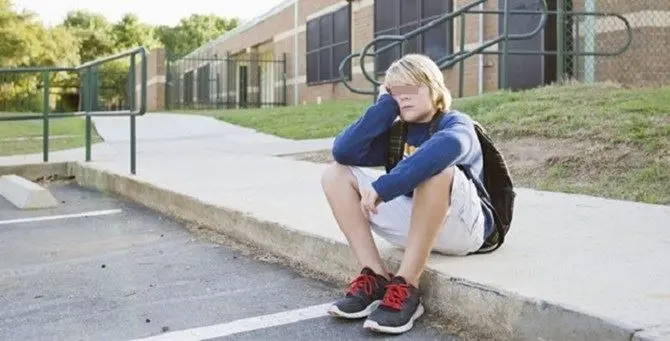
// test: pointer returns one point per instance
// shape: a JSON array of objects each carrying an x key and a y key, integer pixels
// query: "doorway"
[{"x": 530, "y": 71}]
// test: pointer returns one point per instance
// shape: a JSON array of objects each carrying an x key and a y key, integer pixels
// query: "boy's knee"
[
  {"x": 335, "y": 173},
  {"x": 445, "y": 176},
  {"x": 438, "y": 184},
  {"x": 447, "y": 172}
]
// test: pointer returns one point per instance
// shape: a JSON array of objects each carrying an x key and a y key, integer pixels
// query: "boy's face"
[{"x": 415, "y": 102}]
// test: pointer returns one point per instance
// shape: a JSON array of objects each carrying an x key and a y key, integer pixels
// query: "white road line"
[
  {"x": 244, "y": 325},
  {"x": 64, "y": 216}
]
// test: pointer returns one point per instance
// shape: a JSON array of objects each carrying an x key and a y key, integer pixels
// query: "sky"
[{"x": 153, "y": 12}]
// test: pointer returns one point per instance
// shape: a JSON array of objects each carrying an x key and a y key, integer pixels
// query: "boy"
[{"x": 425, "y": 203}]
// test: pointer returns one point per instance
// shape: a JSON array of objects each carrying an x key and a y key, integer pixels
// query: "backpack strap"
[{"x": 396, "y": 147}]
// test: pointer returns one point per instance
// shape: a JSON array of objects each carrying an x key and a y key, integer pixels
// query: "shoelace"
[
  {"x": 395, "y": 296},
  {"x": 364, "y": 282}
]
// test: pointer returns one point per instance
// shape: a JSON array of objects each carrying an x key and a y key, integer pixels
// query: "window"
[
  {"x": 397, "y": 17},
  {"x": 328, "y": 43}
]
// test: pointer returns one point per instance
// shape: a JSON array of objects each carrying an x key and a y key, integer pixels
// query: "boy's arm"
[
  {"x": 364, "y": 142},
  {"x": 445, "y": 148}
]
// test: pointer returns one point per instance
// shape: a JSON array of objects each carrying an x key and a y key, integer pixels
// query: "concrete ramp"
[{"x": 25, "y": 194}]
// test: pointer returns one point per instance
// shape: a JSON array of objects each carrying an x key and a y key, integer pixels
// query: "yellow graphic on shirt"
[{"x": 409, "y": 150}]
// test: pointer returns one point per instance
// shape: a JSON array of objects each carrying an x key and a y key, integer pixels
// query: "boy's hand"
[
  {"x": 382, "y": 90},
  {"x": 369, "y": 201}
]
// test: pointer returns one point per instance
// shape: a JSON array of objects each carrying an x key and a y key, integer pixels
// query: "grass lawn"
[
  {"x": 601, "y": 140},
  {"x": 25, "y": 137}
]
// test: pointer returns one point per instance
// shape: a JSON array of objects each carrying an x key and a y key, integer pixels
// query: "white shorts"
[{"x": 463, "y": 228}]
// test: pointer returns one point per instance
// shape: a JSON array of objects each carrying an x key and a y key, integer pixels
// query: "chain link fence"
[{"x": 603, "y": 48}]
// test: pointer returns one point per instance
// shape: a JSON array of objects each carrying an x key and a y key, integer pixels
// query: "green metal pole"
[
  {"x": 168, "y": 80},
  {"x": 45, "y": 120},
  {"x": 461, "y": 69},
  {"x": 133, "y": 106},
  {"x": 560, "y": 41},
  {"x": 503, "y": 61},
  {"x": 88, "y": 102},
  {"x": 284, "y": 85}
]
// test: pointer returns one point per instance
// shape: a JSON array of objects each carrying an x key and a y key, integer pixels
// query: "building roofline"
[{"x": 244, "y": 27}]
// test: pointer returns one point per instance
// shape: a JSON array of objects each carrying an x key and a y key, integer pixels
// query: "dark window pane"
[
  {"x": 312, "y": 67},
  {"x": 435, "y": 42},
  {"x": 409, "y": 11},
  {"x": 342, "y": 27},
  {"x": 412, "y": 44},
  {"x": 339, "y": 53},
  {"x": 384, "y": 59},
  {"x": 385, "y": 14},
  {"x": 325, "y": 66},
  {"x": 312, "y": 35},
  {"x": 326, "y": 30},
  {"x": 434, "y": 7}
]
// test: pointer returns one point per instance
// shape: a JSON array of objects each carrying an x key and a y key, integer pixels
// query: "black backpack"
[{"x": 498, "y": 192}]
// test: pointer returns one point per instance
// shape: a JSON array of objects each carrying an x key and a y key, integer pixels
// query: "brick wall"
[
  {"x": 273, "y": 37},
  {"x": 363, "y": 32},
  {"x": 275, "y": 33},
  {"x": 155, "y": 80}
]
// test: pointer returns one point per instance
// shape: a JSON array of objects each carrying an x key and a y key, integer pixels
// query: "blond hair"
[{"x": 418, "y": 69}]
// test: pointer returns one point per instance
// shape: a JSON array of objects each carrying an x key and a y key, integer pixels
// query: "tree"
[
  {"x": 25, "y": 42},
  {"x": 129, "y": 32},
  {"x": 193, "y": 32},
  {"x": 93, "y": 32}
]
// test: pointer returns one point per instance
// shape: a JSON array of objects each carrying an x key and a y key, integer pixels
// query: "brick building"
[{"x": 256, "y": 63}]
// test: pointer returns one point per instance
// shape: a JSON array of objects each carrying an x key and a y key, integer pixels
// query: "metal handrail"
[
  {"x": 446, "y": 61},
  {"x": 452, "y": 59},
  {"x": 466, "y": 9},
  {"x": 87, "y": 69}
]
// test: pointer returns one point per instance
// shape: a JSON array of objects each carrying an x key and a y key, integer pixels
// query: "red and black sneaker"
[
  {"x": 400, "y": 308},
  {"x": 363, "y": 296}
]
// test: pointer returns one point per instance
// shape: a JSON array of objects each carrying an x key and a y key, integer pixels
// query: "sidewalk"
[
  {"x": 198, "y": 132},
  {"x": 573, "y": 266}
]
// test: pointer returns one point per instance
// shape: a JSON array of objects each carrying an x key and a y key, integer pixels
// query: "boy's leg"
[
  {"x": 341, "y": 189},
  {"x": 445, "y": 217},
  {"x": 432, "y": 200}
]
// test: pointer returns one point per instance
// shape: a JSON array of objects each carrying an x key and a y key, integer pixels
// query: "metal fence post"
[
  {"x": 461, "y": 68},
  {"x": 284, "y": 76},
  {"x": 133, "y": 107},
  {"x": 168, "y": 81},
  {"x": 505, "y": 52},
  {"x": 45, "y": 120},
  {"x": 88, "y": 100}
]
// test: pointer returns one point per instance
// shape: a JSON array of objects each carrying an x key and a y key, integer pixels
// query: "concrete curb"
[
  {"x": 25, "y": 194},
  {"x": 37, "y": 171},
  {"x": 476, "y": 311}
]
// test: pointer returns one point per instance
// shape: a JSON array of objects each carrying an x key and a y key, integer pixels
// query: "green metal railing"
[
  {"x": 502, "y": 39},
  {"x": 90, "y": 76}
]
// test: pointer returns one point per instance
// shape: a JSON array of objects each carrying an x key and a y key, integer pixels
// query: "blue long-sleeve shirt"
[{"x": 455, "y": 142}]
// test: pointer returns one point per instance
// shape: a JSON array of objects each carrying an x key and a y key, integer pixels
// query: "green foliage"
[
  {"x": 192, "y": 32},
  {"x": 85, "y": 36},
  {"x": 93, "y": 34}
]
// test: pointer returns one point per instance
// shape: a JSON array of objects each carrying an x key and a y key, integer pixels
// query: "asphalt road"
[{"x": 129, "y": 273}]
